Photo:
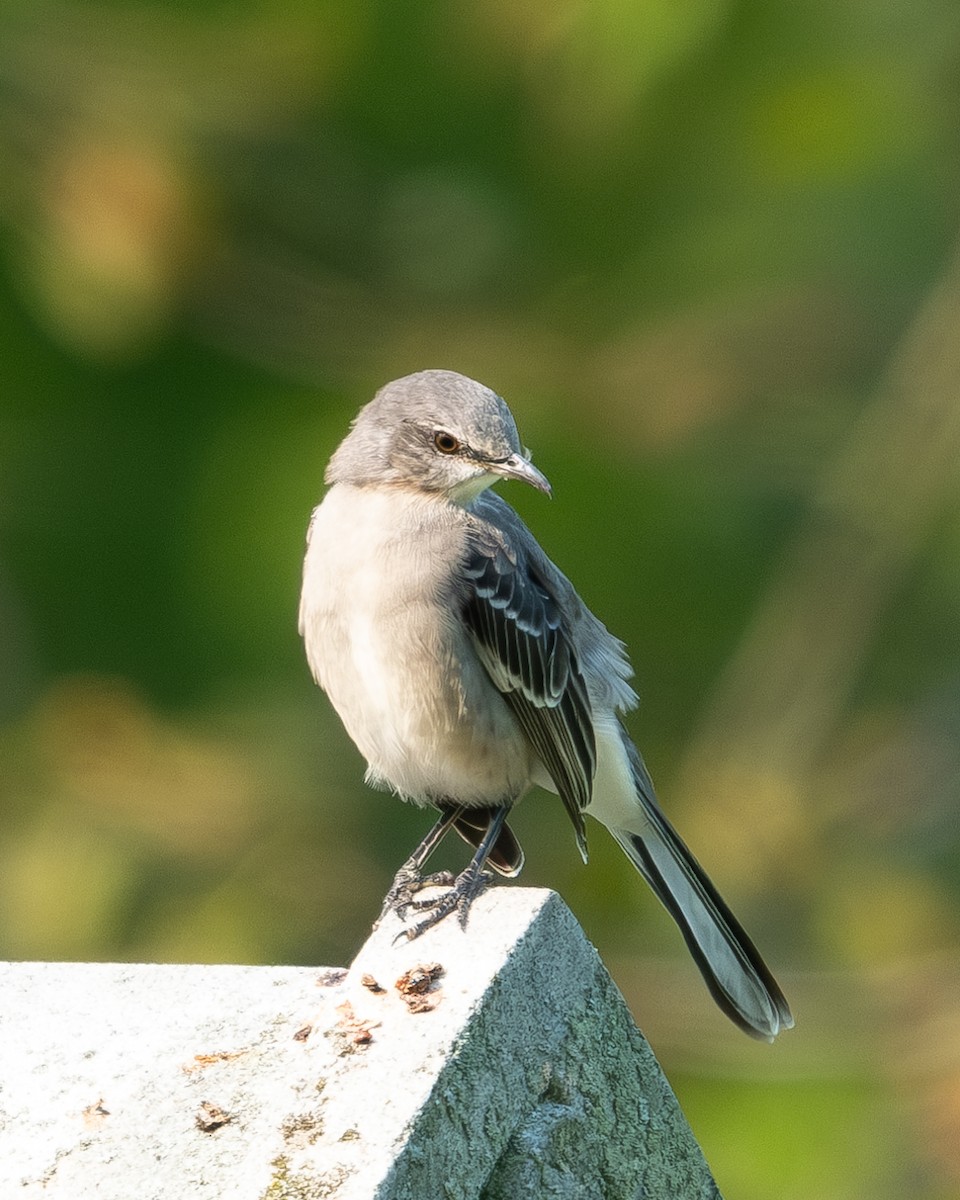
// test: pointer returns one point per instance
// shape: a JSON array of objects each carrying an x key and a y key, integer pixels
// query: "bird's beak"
[{"x": 518, "y": 467}]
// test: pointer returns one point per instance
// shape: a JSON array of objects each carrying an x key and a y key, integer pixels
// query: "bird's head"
[{"x": 435, "y": 431}]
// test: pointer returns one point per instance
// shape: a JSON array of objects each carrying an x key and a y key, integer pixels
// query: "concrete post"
[{"x": 491, "y": 1064}]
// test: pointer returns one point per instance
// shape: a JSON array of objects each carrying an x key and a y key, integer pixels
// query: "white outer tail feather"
[{"x": 739, "y": 980}]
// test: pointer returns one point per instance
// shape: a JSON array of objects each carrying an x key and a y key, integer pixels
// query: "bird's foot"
[
  {"x": 458, "y": 897},
  {"x": 403, "y": 891}
]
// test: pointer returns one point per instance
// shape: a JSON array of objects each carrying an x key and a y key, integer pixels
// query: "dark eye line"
[{"x": 449, "y": 444}]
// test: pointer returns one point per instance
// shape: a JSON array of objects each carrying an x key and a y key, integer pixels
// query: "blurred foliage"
[{"x": 705, "y": 251}]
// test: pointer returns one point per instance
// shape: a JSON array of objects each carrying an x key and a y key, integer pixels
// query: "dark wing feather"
[{"x": 518, "y": 631}]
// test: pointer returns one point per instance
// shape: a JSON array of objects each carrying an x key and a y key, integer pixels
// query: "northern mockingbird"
[{"x": 467, "y": 669}]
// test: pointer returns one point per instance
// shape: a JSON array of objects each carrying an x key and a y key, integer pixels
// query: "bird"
[{"x": 467, "y": 670}]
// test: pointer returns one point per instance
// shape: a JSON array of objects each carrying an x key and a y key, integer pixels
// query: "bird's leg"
[
  {"x": 409, "y": 880},
  {"x": 468, "y": 886}
]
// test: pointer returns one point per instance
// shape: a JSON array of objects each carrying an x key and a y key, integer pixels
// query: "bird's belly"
[
  {"x": 426, "y": 724},
  {"x": 419, "y": 706}
]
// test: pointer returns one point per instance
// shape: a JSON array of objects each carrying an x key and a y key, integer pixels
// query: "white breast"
[{"x": 380, "y": 622}]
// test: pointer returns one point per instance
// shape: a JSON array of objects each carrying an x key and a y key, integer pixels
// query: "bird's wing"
[{"x": 517, "y": 627}]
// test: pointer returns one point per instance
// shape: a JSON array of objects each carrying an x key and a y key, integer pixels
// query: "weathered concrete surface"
[{"x": 504, "y": 1065}]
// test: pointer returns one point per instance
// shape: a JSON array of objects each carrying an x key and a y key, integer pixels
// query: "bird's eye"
[{"x": 446, "y": 443}]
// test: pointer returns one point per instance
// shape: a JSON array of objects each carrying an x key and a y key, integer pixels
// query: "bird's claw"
[
  {"x": 402, "y": 895},
  {"x": 459, "y": 896}
]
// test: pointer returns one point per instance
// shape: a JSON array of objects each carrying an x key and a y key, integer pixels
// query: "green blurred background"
[{"x": 706, "y": 252}]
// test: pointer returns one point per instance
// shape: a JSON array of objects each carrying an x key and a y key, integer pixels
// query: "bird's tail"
[{"x": 738, "y": 978}]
